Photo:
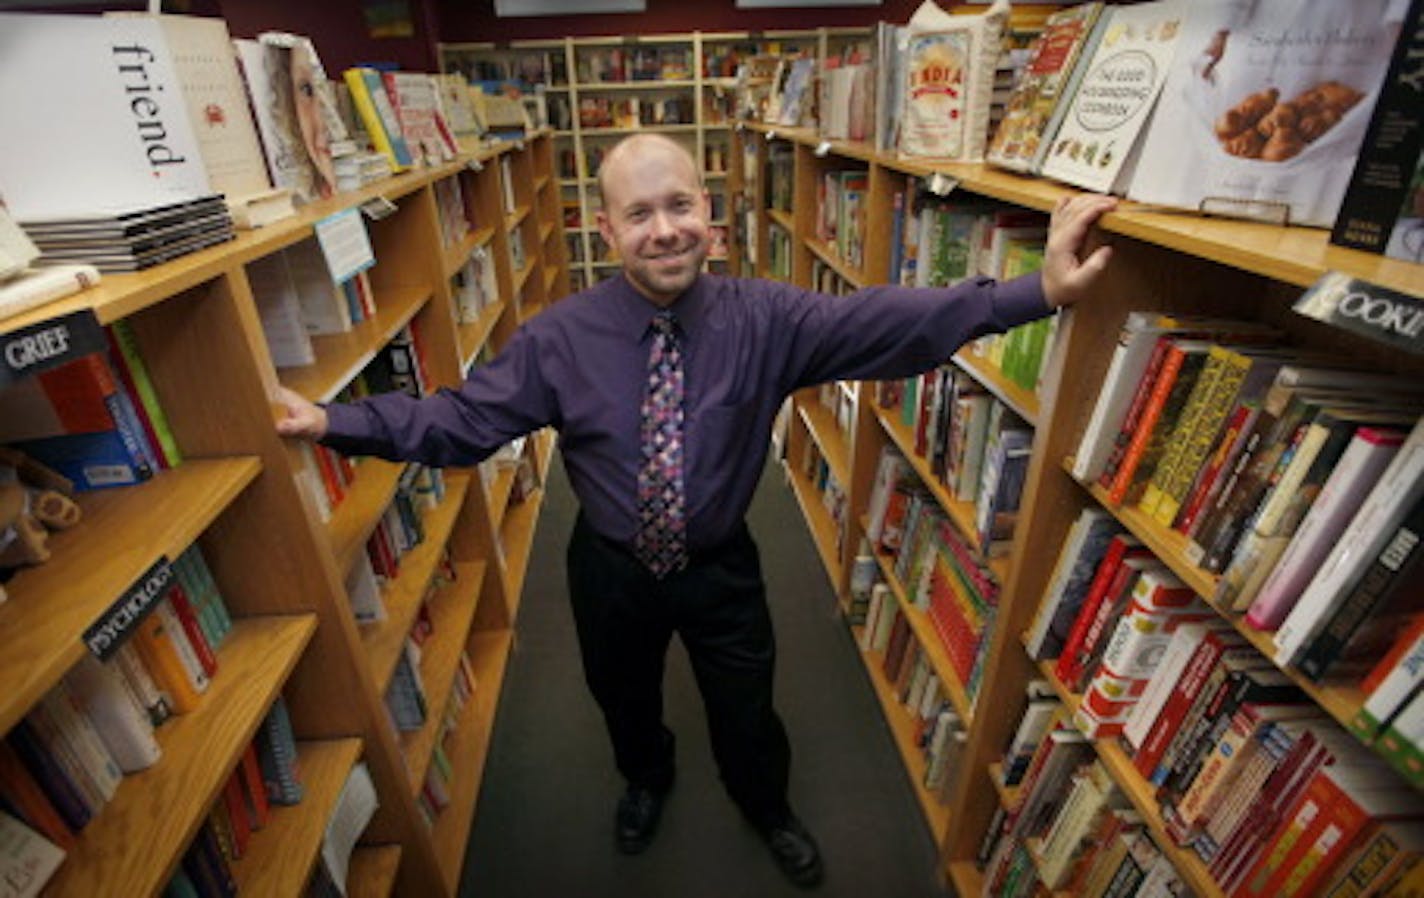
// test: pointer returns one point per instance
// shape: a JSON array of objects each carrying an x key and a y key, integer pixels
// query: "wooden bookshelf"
[
  {"x": 360, "y": 511},
  {"x": 902, "y": 729},
  {"x": 51, "y": 606},
  {"x": 340, "y": 357},
  {"x": 281, "y": 856},
  {"x": 170, "y": 800},
  {"x": 1163, "y": 261},
  {"x": 402, "y": 596},
  {"x": 372, "y": 873},
  {"x": 821, "y": 423},
  {"x": 828, "y": 254},
  {"x": 451, "y": 611},
  {"x": 240, "y": 496},
  {"x": 823, "y": 529}
]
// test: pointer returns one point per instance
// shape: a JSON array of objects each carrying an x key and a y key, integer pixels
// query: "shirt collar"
[{"x": 636, "y": 312}]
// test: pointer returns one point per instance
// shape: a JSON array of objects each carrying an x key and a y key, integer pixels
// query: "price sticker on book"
[{"x": 942, "y": 184}]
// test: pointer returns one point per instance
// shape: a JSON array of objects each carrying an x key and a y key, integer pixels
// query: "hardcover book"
[
  {"x": 1266, "y": 106},
  {"x": 1023, "y": 137},
  {"x": 1097, "y": 144},
  {"x": 1383, "y": 210}
]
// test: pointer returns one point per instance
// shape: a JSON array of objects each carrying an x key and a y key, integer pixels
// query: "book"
[
  {"x": 949, "y": 71},
  {"x": 120, "y": 721},
  {"x": 27, "y": 859},
  {"x": 1026, "y": 131},
  {"x": 1078, "y": 558},
  {"x": 1359, "y": 468},
  {"x": 1073, "y": 658},
  {"x": 1099, "y": 140},
  {"x": 282, "y": 86},
  {"x": 1380, "y": 210},
  {"x": 1378, "y": 607},
  {"x": 1296, "y": 482},
  {"x": 37, "y": 286},
  {"x": 1181, "y": 366},
  {"x": 1273, "y": 135},
  {"x": 382, "y": 124},
  {"x": 1399, "y": 487},
  {"x": 125, "y": 140}
]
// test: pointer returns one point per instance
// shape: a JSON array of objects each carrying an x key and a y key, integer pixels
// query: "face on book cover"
[
  {"x": 654, "y": 215},
  {"x": 306, "y": 103}
]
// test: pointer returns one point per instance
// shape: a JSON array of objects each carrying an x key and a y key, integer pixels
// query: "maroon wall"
[
  {"x": 474, "y": 20},
  {"x": 339, "y": 31}
]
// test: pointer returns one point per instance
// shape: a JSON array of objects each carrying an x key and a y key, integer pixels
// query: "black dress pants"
[{"x": 717, "y": 605}]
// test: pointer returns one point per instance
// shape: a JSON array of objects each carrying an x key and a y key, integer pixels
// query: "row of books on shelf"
[
  {"x": 841, "y": 200},
  {"x": 634, "y": 111},
  {"x": 621, "y": 64},
  {"x": 935, "y": 567},
  {"x": 95, "y": 420},
  {"x": 831, "y": 491},
  {"x": 236, "y": 142},
  {"x": 1286, "y": 474},
  {"x": 938, "y": 732},
  {"x": 435, "y": 792},
  {"x": 299, "y": 297},
  {"x": 1270, "y": 796},
  {"x": 974, "y": 444},
  {"x": 474, "y": 289},
  {"x": 1206, "y": 125}
]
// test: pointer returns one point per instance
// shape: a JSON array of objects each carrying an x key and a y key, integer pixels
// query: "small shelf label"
[
  {"x": 108, "y": 632},
  {"x": 1369, "y": 310}
]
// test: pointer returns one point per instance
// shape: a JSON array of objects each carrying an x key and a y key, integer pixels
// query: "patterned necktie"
[{"x": 661, "y": 541}]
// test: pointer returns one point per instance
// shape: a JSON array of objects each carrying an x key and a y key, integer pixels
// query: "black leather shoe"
[
  {"x": 795, "y": 852},
  {"x": 637, "y": 819}
]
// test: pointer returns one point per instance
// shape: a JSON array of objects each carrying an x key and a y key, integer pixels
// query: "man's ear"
[{"x": 600, "y": 218}]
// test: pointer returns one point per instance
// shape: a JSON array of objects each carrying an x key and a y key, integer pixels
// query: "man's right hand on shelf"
[{"x": 300, "y": 418}]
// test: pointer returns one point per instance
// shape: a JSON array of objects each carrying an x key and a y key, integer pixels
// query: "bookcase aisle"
[
  {"x": 942, "y": 582},
  {"x": 371, "y": 604},
  {"x": 681, "y": 85}
]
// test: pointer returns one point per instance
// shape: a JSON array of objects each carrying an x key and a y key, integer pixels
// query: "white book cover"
[
  {"x": 1135, "y": 342},
  {"x": 1399, "y": 487},
  {"x": 354, "y": 809},
  {"x": 1100, "y": 136},
  {"x": 121, "y": 723},
  {"x": 95, "y": 117},
  {"x": 27, "y": 859},
  {"x": 207, "y": 70},
  {"x": 1369, "y": 452},
  {"x": 365, "y": 591},
  {"x": 1266, "y": 106},
  {"x": 949, "y": 80},
  {"x": 280, "y": 309}
]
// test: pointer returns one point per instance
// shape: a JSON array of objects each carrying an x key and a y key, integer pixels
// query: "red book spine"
[
  {"x": 1135, "y": 409},
  {"x": 1161, "y": 389},
  {"x": 1102, "y": 577},
  {"x": 236, "y": 814},
  {"x": 1188, "y": 687},
  {"x": 1236, "y": 426},
  {"x": 178, "y": 598}
]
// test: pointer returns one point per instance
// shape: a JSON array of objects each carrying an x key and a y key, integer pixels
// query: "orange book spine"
[
  {"x": 155, "y": 646},
  {"x": 1122, "y": 481}
]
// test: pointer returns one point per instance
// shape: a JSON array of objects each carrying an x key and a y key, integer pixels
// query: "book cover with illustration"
[
  {"x": 1266, "y": 106},
  {"x": 282, "y": 83},
  {"x": 948, "y": 81},
  {"x": 1099, "y": 140},
  {"x": 1024, "y": 135}
]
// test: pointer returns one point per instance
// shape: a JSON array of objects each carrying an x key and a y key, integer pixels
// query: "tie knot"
[{"x": 665, "y": 323}]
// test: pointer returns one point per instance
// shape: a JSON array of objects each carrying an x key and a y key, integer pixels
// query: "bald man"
[{"x": 663, "y": 383}]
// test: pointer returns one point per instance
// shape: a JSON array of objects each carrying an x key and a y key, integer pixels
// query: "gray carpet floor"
[{"x": 544, "y": 822}]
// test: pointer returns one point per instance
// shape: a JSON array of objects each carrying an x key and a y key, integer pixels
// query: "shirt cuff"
[
  {"x": 344, "y": 425},
  {"x": 1021, "y": 300}
]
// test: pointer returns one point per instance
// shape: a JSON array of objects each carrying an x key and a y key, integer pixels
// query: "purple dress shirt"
[{"x": 581, "y": 367}]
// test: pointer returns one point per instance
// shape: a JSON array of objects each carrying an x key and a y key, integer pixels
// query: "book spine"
[
  {"x": 126, "y": 343},
  {"x": 1190, "y": 418},
  {"x": 1132, "y": 418}
]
